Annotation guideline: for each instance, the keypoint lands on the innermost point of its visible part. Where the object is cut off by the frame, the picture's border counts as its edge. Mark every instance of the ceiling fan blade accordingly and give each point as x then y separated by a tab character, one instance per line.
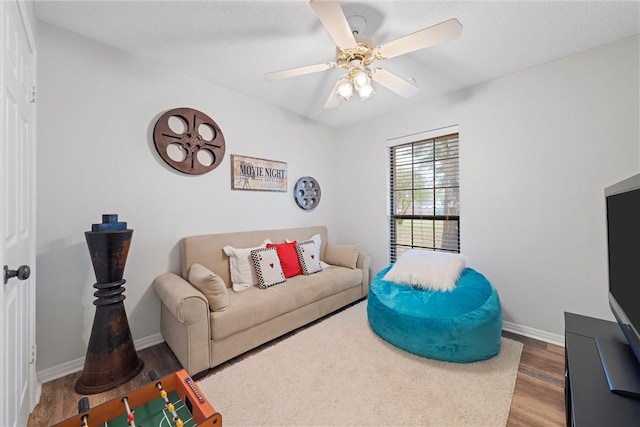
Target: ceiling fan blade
334	100
394	83
299	71
439	33
332	17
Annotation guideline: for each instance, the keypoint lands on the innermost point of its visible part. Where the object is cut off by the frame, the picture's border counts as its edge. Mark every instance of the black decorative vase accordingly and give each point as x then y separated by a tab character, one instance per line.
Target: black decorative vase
111	355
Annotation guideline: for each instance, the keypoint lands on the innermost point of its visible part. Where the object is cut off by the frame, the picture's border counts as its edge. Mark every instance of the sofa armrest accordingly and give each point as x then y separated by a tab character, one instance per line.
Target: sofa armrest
183	300
364	264
184	321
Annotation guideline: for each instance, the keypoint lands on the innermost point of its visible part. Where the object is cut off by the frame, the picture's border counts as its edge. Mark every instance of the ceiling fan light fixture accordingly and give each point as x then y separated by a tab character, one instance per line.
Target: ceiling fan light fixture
365	91
356	53
361	79
345	90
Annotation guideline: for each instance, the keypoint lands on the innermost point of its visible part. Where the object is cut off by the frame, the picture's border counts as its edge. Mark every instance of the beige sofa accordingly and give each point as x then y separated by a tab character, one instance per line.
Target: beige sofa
202	339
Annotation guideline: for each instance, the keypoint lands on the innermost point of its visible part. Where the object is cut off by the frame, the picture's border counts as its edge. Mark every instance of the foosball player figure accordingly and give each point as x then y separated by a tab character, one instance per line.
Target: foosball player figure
163	394
130	416
83	406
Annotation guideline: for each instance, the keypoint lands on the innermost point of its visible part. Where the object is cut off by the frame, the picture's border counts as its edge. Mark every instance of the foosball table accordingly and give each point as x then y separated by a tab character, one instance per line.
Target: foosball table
172	401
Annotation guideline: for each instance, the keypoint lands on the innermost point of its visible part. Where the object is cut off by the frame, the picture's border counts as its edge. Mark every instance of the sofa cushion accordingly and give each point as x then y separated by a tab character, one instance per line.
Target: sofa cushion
288	258
268	267
309	257
317	239
243	273
342	255
207	249
211	285
255	305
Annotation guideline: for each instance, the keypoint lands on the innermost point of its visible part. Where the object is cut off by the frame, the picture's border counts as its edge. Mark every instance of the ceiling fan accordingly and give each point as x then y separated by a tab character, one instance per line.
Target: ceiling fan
356	53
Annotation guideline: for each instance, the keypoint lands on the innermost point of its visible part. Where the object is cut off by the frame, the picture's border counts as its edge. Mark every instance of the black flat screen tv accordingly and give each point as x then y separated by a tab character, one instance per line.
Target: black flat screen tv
621	361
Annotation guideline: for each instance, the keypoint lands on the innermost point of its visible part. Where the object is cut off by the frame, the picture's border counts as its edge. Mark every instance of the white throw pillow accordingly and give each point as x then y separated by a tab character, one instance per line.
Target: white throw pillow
309	256
427	269
317	239
268	267
243	273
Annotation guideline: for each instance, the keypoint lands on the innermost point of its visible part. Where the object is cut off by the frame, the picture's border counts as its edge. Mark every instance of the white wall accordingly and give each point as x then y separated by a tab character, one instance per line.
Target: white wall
96	108
537	150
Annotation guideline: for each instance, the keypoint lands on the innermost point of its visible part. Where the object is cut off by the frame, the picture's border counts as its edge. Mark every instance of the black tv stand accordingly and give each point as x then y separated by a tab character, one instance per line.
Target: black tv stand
588	400
621	367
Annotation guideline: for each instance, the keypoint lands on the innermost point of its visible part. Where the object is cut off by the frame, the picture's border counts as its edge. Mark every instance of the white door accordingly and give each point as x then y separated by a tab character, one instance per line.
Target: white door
19	385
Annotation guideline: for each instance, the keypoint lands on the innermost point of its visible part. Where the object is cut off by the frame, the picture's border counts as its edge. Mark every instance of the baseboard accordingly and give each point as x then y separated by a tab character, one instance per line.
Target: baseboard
149	341
534	333
59	371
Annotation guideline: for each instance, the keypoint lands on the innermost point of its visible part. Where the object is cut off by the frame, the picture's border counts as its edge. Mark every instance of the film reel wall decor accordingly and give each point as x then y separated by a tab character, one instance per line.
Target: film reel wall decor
189	141
307	193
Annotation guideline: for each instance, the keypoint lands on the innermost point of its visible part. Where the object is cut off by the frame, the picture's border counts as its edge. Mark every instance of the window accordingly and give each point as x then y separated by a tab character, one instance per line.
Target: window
425	197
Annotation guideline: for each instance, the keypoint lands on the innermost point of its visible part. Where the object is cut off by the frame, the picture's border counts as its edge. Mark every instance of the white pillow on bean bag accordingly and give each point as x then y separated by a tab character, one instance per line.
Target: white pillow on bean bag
427	269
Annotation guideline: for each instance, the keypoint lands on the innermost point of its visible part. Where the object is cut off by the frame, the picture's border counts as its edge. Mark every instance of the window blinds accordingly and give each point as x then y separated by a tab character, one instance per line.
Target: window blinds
425	196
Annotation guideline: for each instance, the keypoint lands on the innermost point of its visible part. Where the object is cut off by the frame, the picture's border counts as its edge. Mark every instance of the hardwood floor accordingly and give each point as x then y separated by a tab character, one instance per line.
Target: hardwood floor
538	398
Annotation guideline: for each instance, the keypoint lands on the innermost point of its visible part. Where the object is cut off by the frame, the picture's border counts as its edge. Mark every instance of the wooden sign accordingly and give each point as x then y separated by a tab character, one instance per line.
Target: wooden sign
250	173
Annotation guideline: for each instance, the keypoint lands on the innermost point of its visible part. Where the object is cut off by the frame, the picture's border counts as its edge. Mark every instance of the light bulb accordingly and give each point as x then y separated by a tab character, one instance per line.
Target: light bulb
365	91
345	90
360	79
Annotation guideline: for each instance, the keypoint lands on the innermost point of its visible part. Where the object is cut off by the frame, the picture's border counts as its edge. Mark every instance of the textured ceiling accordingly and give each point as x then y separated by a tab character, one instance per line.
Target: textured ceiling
233	43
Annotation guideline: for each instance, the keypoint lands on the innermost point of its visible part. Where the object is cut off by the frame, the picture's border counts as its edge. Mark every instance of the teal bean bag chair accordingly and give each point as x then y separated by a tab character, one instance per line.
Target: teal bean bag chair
462	325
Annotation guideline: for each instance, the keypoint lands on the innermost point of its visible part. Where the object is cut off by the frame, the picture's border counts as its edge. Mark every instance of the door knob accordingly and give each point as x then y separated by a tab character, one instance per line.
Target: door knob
22	273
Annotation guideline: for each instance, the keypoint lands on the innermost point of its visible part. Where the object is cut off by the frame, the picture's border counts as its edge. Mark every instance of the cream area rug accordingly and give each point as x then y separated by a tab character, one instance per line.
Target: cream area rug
339	373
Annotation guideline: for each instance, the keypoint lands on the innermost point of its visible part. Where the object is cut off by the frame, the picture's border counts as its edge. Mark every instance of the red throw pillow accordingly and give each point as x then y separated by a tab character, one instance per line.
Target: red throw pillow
288	258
